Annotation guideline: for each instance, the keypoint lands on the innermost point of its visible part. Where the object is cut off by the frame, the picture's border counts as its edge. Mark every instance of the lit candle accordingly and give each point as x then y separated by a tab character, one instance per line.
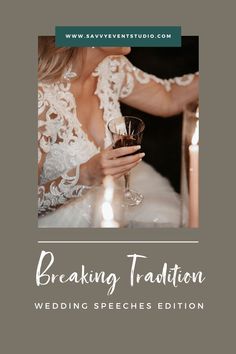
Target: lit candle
107	204
194	180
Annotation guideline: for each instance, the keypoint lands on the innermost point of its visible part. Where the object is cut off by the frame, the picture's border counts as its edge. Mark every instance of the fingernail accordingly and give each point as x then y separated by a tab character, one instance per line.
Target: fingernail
137	147
142	154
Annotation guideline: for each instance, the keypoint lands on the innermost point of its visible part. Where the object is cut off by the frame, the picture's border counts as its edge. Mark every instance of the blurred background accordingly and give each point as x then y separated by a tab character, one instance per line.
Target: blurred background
162	136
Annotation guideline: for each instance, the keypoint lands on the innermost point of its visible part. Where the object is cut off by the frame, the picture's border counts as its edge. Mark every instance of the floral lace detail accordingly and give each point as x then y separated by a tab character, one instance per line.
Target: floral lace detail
69	74
63	145
110	74
181	81
59	194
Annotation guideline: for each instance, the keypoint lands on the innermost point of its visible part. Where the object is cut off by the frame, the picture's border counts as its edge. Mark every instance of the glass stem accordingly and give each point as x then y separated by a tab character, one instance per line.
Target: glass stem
127	181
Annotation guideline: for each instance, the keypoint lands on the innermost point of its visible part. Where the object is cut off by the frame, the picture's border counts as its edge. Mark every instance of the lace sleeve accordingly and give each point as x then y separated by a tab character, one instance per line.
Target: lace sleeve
153	95
132	74
53	192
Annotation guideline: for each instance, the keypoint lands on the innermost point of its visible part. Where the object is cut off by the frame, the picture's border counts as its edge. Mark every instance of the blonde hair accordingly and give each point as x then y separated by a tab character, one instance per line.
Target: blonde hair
52	61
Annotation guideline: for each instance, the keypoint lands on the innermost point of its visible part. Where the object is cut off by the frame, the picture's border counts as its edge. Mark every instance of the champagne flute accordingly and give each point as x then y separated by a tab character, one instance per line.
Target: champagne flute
127	131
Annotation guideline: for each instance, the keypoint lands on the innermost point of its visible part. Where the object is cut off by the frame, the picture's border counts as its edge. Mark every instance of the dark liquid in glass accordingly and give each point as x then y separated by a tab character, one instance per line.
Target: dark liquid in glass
127	140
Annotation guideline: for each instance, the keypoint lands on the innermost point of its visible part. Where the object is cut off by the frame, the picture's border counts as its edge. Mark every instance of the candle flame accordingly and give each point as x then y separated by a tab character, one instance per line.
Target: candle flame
109	188
195	137
197	112
107	207
107	211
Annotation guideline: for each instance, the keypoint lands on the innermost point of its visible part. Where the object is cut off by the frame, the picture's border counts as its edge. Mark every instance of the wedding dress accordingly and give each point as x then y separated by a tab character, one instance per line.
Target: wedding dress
63	145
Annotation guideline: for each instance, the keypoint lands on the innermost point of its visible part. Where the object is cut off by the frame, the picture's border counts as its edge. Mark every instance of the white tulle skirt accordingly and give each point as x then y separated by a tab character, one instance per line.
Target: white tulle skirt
160	207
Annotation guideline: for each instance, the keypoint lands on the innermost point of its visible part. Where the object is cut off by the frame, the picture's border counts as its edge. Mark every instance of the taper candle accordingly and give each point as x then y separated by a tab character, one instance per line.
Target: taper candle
194	180
107	211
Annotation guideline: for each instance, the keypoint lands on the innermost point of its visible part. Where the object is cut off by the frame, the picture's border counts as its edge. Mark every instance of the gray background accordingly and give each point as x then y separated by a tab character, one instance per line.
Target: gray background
28	331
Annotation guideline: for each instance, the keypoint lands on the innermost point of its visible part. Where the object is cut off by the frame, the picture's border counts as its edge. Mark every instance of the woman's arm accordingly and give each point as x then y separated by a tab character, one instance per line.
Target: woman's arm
110	162
156	96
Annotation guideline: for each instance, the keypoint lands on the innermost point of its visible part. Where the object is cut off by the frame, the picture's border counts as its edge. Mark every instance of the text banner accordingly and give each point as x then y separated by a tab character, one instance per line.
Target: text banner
108	36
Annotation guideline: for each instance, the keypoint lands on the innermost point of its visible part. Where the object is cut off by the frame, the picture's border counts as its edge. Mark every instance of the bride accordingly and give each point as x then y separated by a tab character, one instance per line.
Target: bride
78	94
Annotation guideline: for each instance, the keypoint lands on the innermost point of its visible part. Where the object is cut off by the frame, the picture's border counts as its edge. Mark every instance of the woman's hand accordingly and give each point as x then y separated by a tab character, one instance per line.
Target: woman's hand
114	162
